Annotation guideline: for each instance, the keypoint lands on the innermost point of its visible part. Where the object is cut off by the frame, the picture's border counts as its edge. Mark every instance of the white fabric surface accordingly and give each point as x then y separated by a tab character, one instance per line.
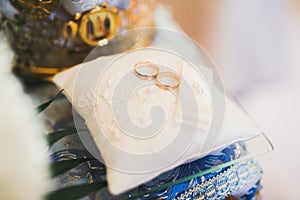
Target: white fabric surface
237	125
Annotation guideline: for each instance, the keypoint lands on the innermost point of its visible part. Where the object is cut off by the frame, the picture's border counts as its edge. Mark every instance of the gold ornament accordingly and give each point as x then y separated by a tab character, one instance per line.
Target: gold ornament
47	39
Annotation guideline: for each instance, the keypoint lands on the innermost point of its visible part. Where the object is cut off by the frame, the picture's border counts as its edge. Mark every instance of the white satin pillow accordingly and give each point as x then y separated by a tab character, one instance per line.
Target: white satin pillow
98	90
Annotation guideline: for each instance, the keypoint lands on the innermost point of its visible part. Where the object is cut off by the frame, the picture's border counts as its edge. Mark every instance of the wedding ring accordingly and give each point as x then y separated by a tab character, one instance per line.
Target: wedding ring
146	70
150	71
171	81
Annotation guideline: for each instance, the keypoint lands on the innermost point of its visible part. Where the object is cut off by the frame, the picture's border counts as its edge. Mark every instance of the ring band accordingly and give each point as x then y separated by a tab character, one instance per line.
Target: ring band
169	75
146	76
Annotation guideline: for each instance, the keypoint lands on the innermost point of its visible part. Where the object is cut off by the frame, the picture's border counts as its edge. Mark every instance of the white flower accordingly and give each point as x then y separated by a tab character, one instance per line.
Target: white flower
23	153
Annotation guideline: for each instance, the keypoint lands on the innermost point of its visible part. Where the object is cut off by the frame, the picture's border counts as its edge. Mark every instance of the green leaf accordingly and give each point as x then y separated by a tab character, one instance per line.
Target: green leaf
43	106
75	192
55	136
61	167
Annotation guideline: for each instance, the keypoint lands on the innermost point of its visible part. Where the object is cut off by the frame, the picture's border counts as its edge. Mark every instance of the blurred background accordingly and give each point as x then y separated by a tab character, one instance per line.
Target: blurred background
256	46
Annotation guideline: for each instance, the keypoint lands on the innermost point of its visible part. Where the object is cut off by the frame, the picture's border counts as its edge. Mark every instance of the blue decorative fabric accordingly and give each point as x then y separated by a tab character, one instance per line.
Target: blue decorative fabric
228	154
215	185
221	185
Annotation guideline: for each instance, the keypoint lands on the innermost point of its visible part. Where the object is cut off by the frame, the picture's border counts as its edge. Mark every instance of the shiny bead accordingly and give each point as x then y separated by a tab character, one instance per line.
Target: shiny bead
210	193
199	193
233	180
253	168
221	185
243	173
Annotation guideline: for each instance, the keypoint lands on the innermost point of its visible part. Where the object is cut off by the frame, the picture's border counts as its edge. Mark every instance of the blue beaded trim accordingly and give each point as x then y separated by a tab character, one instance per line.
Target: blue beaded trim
95	171
233	179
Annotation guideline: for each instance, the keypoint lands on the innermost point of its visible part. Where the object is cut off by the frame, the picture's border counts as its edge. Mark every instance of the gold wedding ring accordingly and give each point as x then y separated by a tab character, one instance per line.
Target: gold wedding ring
150	71
144	65
171	84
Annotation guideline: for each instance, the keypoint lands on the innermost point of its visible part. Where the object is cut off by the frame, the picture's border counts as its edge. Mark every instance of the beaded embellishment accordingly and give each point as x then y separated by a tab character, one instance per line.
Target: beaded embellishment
235	178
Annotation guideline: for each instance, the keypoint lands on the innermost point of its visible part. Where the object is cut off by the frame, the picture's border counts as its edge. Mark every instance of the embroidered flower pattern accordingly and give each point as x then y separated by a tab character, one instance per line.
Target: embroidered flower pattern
90	104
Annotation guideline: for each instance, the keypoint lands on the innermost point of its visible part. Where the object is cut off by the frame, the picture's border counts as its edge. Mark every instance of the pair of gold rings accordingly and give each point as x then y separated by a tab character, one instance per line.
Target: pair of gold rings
150	71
